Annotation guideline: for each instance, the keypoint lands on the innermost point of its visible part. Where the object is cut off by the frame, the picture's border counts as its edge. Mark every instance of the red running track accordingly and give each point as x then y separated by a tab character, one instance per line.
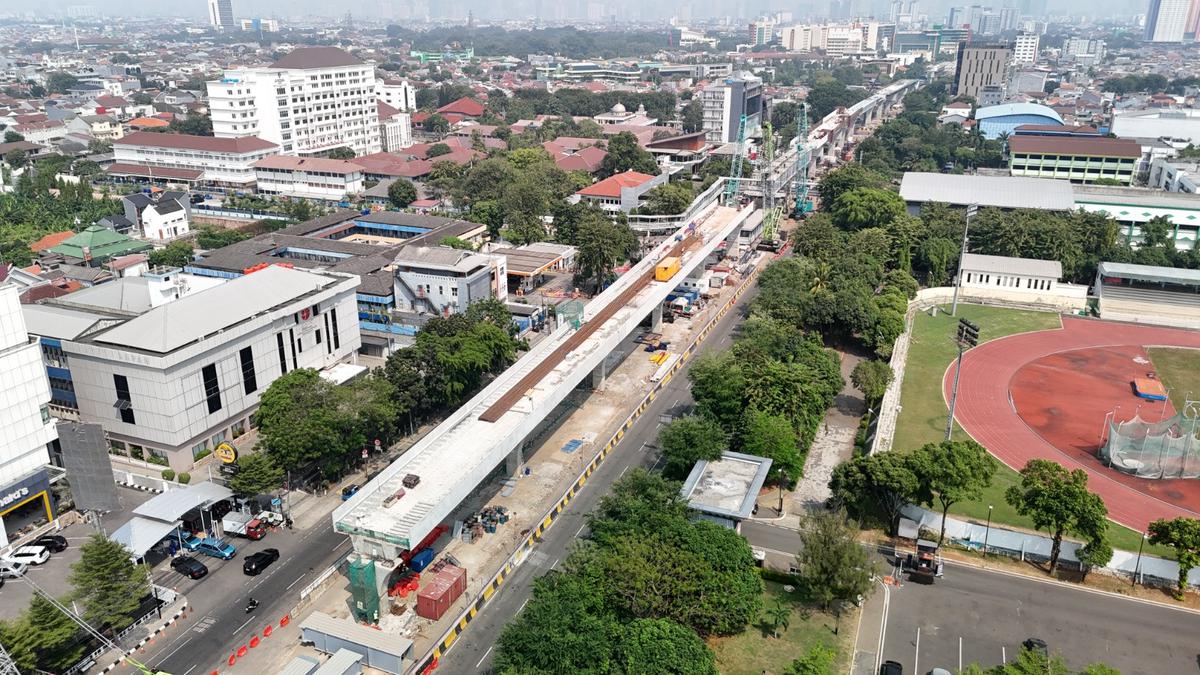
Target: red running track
985	410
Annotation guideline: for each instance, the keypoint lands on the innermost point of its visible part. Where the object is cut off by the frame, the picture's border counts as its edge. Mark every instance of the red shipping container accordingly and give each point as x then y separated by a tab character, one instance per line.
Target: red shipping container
434	599
457	576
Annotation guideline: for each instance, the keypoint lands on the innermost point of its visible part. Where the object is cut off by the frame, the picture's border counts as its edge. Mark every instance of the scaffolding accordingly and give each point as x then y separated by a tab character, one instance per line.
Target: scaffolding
800	183
734	184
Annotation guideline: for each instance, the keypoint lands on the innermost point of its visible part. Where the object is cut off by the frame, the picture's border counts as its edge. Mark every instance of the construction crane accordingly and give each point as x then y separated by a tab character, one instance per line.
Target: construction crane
772	211
90	631
733	183
800	183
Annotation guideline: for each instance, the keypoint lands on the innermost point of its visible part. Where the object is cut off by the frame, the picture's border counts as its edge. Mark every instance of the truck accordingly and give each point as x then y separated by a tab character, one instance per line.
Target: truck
666	268
243	525
925	563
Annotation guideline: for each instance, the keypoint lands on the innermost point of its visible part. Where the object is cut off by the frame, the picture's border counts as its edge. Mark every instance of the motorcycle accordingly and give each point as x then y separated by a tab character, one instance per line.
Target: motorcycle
251	605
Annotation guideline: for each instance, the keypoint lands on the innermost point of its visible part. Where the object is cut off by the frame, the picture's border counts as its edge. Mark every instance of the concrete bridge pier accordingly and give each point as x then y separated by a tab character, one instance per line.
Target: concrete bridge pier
599	374
656	319
515	460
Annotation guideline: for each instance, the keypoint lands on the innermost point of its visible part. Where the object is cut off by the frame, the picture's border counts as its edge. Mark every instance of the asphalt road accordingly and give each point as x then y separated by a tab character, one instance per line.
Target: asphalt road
217	623
472	652
981	616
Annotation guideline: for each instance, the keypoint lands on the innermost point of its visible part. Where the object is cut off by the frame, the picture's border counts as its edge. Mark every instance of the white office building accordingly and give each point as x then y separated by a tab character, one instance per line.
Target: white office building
220	161
175	376
220	14
395	128
397	93
26	427
311	101
1025	49
724	103
308	177
441	280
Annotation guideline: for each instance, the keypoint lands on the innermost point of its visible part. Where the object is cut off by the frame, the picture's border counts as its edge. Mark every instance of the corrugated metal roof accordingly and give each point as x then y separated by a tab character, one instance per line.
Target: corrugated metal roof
1169	275
171	505
339	663
998	264
352	632
1005	192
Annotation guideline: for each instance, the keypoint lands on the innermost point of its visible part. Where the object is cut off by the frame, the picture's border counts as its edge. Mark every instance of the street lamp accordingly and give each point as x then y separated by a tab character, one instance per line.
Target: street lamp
783	478
987	531
1138	567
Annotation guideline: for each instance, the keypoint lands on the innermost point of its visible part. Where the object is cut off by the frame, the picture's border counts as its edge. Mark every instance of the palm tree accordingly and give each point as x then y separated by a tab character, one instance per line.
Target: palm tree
819	281
778	615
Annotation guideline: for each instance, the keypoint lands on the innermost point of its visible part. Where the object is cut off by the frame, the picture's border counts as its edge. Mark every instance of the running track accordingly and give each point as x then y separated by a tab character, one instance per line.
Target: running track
985	412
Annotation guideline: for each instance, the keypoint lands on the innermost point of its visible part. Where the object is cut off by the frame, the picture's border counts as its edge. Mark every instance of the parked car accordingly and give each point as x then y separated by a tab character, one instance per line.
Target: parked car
189	567
56	543
891	668
30	555
349	491
212	547
11	569
260	561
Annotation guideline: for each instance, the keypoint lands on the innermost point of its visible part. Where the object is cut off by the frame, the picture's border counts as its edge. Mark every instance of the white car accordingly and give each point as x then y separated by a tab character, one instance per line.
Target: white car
11	570
29	555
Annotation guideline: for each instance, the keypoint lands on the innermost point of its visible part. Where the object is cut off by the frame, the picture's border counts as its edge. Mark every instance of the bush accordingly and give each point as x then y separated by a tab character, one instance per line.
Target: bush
168	474
155	459
185	478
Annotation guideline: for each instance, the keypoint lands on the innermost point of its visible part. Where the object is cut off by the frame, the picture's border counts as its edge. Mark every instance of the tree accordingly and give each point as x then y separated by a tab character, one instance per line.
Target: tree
107	583
1183	535
662	646
401	193
693	116
455	242
624	154
1096	553
297	419
257	474
56	634
436	124
778	616
212	237
766	435
690	439
878	485
1059	502
11	136
951	472
602	245
871	377
566	627
668	199
831	563
60	82
175	254
818	660
867	207
437	150
342	152
194	124
16	158
845	179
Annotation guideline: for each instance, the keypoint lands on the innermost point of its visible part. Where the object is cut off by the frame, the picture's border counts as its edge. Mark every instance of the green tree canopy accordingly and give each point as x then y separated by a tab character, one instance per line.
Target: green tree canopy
342	153
950	472
107	583
437	150
602	244
257	474
832	564
690	439
668	199
1183	535
624	154
1058	501
401	193
175	254
766	435
871	377
876	486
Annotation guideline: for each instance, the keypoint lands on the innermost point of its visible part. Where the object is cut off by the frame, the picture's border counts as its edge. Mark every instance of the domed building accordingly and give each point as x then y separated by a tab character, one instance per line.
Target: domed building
1003	119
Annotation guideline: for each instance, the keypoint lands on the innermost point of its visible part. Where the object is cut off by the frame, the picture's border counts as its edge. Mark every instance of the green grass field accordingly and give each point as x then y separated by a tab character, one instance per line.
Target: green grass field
1179	370
756	651
923	415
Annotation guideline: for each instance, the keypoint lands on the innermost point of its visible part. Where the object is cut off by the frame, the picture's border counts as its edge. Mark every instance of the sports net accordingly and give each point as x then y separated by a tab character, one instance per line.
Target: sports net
1166	449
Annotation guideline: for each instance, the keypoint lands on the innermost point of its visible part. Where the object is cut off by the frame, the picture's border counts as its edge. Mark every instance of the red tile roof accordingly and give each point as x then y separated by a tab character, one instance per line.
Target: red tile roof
245	144
467	107
50	241
587	159
1075	145
321	164
385	111
148	122
611	187
124	169
111	101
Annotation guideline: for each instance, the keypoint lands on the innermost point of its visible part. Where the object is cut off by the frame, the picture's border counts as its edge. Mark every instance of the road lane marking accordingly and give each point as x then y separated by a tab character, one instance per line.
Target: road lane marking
917	654
172	652
522	605
481	660
580	529
623	471
239	628
190	669
298	580
555	563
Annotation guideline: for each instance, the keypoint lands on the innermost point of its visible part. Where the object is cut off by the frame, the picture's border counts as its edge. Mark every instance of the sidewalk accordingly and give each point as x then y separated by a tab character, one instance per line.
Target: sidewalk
833	444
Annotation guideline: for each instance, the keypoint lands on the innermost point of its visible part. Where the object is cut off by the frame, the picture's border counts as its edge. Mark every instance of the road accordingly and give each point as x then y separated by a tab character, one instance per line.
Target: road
473	651
217	622
982	616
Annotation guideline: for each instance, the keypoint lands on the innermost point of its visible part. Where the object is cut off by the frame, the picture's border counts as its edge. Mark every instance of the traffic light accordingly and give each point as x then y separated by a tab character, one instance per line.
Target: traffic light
968	333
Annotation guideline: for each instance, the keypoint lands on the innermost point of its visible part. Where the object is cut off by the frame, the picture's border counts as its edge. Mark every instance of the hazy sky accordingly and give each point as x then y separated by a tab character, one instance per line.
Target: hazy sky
634	9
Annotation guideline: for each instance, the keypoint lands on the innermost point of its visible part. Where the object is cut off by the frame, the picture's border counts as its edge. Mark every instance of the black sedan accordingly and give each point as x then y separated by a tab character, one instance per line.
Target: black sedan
55	543
255	564
189	567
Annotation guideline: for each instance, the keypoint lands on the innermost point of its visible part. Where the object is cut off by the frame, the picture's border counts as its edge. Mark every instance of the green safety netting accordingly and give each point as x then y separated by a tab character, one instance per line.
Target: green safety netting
1166	449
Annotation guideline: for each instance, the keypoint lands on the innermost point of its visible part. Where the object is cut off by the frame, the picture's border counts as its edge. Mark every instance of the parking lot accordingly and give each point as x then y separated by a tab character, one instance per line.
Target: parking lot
973	616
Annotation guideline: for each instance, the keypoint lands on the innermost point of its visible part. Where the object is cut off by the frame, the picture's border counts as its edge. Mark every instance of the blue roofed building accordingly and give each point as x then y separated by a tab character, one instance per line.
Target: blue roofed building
994	120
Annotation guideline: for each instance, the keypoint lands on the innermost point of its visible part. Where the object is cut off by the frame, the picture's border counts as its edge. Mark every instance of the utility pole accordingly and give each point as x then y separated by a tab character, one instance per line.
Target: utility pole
971	211
967	337
7	667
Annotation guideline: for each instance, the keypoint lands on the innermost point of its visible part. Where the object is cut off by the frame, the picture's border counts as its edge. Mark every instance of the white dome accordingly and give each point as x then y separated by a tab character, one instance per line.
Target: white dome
618	108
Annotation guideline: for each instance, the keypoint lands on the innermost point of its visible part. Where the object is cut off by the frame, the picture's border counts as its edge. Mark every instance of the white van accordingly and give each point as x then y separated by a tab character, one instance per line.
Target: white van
29	555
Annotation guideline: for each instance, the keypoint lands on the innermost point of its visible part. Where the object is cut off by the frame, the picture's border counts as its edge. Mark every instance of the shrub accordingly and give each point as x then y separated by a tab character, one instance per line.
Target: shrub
168	474
185	478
